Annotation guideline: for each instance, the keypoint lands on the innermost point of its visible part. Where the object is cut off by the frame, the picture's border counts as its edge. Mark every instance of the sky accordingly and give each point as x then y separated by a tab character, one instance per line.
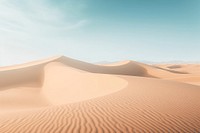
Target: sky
99	30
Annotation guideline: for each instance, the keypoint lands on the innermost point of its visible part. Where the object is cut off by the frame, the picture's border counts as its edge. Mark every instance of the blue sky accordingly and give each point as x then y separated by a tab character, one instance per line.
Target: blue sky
100	30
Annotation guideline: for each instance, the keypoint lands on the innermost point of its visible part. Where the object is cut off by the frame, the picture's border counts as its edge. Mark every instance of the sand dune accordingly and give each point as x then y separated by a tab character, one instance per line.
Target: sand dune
189	68
191	76
65	84
63	95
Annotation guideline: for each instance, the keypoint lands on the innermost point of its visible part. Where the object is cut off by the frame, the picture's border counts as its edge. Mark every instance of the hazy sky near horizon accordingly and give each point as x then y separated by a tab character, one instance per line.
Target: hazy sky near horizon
100	30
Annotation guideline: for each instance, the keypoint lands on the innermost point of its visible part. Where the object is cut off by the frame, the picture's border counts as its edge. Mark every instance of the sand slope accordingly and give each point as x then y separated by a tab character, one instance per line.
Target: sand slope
61	95
192	71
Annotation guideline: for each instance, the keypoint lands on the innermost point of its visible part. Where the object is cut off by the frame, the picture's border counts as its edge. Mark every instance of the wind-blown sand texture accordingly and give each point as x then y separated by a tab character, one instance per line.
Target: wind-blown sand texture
63	95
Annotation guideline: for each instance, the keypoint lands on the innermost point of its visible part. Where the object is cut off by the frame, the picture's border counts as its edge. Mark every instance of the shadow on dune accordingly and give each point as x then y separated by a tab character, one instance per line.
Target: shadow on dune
174	66
172	71
29	77
129	68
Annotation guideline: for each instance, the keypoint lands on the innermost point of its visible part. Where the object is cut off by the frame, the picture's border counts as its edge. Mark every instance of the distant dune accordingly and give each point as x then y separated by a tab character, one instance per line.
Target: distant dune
63	95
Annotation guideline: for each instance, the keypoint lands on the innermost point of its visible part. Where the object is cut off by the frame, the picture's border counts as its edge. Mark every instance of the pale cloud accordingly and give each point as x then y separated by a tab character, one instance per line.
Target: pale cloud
32	25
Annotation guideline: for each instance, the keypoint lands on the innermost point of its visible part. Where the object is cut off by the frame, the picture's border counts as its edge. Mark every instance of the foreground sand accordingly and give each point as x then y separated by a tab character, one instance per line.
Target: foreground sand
62	95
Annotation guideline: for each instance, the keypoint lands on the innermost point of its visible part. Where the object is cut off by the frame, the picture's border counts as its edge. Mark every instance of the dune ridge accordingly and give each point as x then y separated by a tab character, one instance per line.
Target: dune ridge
60	95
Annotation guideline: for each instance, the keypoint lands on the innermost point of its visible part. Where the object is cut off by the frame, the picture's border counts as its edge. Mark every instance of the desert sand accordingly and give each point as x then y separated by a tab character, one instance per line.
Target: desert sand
63	95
